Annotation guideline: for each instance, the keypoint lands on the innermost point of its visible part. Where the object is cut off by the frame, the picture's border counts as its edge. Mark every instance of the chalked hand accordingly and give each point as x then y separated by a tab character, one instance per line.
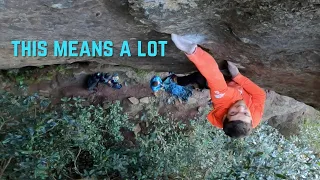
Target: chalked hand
233	69
184	44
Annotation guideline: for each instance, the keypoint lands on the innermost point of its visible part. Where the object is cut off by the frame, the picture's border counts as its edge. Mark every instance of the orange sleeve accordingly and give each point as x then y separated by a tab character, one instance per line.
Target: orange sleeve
208	67
258	97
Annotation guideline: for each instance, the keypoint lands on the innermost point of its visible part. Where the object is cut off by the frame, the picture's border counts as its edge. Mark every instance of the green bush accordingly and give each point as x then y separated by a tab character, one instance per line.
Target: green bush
199	151
40	141
310	129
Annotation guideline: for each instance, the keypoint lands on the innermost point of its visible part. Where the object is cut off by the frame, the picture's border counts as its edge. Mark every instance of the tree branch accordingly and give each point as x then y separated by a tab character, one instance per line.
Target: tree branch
5	167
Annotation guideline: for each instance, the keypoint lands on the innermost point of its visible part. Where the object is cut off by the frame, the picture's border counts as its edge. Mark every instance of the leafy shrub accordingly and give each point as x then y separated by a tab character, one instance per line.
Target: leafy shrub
199	151
39	141
47	143
309	134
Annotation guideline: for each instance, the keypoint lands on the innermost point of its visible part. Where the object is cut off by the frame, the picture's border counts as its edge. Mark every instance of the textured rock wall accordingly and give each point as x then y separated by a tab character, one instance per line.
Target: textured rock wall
276	41
286	114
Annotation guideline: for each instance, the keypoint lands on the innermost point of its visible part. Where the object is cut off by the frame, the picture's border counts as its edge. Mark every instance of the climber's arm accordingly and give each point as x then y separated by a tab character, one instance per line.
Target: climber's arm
208	67
258	97
258	94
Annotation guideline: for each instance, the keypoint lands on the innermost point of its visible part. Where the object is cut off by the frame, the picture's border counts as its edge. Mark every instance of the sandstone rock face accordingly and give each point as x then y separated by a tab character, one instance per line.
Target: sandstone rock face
277	42
287	114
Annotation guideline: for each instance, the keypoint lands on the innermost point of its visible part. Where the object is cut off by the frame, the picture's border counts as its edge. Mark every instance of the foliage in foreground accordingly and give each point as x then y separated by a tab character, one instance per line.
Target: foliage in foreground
69	140
310	134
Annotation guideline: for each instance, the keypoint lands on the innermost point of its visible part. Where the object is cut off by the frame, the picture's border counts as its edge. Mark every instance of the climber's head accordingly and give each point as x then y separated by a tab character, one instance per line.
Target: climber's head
238	120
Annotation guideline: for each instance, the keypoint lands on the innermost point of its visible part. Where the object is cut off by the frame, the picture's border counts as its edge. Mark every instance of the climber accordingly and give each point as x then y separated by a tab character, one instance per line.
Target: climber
238	104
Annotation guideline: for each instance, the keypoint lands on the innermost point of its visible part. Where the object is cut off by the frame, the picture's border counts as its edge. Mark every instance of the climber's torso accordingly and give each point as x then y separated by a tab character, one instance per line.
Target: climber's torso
220	106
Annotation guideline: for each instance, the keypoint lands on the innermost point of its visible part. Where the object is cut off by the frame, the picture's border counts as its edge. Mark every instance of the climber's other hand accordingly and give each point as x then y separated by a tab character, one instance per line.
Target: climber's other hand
234	71
183	44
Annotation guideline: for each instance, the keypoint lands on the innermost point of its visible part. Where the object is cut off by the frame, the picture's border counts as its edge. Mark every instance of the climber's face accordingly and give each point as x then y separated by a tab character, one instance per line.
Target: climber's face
239	111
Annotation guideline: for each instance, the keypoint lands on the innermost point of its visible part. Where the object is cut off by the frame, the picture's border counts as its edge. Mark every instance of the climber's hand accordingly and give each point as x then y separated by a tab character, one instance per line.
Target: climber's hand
183	44
233	69
269	93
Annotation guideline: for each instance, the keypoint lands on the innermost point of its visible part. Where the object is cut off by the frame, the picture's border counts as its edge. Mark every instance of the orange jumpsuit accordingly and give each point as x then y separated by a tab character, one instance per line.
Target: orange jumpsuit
224	95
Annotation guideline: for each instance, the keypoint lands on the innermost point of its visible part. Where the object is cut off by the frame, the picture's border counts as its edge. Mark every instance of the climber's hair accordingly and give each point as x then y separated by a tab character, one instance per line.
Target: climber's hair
155	83
237	128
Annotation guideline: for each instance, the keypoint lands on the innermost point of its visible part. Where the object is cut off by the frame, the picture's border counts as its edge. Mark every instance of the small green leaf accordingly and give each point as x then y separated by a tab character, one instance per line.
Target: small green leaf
91	172
258	154
281	176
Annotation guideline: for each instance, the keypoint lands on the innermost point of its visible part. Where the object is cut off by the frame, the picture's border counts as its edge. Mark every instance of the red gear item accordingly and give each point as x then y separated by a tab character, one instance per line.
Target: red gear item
224	95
